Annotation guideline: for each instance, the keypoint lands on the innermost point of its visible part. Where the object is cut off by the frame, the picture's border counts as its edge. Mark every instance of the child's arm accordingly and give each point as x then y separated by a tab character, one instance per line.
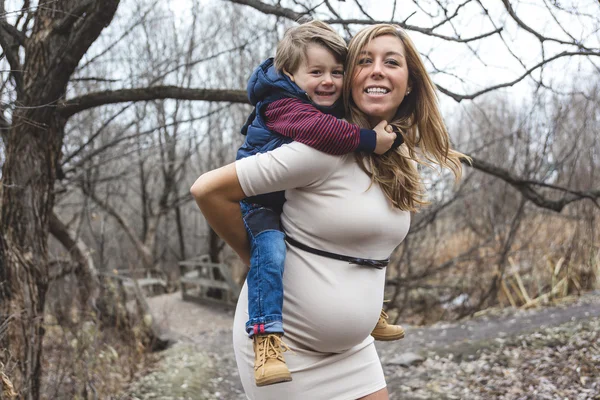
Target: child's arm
304	123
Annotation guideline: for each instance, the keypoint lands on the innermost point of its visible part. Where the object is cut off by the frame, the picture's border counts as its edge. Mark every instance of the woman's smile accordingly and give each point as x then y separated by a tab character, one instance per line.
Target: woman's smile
377	91
381	78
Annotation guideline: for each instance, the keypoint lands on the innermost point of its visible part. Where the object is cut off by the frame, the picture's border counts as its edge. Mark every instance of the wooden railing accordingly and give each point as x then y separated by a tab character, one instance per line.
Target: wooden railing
203	281
149	285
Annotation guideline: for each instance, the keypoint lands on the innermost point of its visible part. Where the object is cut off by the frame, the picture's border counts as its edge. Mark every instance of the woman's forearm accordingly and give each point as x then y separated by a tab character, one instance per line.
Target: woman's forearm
218	193
226	220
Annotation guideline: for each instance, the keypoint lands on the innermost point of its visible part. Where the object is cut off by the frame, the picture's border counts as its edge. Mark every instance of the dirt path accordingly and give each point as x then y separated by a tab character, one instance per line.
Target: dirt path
463	337
466	360
185	320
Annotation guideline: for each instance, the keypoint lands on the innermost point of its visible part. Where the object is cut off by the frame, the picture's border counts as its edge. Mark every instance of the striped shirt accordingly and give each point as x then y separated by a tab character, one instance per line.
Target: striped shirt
303	123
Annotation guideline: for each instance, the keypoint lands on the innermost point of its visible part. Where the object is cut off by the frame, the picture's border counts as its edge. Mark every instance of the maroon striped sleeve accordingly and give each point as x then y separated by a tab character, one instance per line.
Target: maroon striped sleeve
305	124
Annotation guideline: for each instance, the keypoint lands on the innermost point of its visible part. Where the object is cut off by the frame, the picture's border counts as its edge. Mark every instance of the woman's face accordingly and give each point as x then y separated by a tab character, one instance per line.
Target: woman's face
381	78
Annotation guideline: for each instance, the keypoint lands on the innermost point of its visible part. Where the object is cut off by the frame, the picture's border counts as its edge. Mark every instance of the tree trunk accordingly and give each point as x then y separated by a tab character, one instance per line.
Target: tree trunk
32	152
62	33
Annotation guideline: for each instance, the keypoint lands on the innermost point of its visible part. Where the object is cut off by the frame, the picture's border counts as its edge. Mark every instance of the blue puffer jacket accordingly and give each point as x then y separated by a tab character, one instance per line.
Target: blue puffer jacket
265	86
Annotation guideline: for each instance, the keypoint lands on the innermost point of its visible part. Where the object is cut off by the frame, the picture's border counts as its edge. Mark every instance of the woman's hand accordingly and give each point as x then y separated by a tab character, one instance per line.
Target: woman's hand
218	194
385	138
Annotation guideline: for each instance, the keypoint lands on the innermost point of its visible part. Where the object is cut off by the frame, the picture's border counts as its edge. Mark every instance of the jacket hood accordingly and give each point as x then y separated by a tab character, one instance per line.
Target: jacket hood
266	84
265	81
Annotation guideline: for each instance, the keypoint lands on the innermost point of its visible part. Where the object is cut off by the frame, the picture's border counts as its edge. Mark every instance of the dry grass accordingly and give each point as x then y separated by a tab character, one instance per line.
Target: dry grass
7	391
554	258
90	355
445	272
84	361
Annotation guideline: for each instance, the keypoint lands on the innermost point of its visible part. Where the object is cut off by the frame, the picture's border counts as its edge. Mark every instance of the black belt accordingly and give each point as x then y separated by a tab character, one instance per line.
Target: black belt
380	264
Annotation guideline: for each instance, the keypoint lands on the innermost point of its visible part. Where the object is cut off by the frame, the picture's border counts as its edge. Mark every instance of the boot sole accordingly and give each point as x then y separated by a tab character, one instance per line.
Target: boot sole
272	380
388	338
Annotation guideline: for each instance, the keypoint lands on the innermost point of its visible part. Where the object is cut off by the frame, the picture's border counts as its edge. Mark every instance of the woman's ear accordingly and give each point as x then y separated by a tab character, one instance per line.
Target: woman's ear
289	75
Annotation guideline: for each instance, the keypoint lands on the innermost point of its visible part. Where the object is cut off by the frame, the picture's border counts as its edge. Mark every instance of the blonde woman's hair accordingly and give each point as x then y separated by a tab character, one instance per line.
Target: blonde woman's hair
291	50
418	119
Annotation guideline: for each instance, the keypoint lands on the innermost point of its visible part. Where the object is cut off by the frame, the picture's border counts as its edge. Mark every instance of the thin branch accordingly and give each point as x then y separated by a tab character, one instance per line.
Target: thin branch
535	33
129	231
332	10
431	270
562	28
293	15
506	46
269	9
508	241
94	79
526	187
406	19
459	97
449	18
91	100
95	135
120	138
432	213
457	34
120	38
414	28
362	10
191	63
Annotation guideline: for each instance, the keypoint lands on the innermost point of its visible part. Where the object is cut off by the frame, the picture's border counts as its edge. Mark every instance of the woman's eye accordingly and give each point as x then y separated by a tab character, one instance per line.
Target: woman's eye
392	62
363	61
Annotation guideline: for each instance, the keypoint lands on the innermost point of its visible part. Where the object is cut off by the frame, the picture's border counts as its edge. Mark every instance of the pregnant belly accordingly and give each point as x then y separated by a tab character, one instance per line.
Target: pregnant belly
330	306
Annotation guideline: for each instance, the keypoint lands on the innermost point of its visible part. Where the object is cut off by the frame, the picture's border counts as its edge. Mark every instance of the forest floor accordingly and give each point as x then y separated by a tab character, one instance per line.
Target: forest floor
544	353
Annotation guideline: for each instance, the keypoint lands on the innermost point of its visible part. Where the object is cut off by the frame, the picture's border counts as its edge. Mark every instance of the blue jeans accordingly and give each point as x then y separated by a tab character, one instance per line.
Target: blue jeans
265	278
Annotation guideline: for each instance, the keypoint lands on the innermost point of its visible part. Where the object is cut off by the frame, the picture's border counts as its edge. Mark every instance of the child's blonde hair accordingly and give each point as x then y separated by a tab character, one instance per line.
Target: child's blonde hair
291	50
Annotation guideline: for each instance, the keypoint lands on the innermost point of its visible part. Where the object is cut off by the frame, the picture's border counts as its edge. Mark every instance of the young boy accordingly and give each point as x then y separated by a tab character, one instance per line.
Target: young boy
296	97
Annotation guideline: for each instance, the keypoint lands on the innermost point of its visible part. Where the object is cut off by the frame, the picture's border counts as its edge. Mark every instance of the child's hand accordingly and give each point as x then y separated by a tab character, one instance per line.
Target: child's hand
385	138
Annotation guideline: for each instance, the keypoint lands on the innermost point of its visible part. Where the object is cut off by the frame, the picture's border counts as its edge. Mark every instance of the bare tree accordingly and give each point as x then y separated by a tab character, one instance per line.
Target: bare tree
49	45
54	40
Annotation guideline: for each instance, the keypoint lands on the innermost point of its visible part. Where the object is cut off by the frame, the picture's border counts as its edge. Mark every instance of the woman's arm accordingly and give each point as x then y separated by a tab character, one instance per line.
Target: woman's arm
218	194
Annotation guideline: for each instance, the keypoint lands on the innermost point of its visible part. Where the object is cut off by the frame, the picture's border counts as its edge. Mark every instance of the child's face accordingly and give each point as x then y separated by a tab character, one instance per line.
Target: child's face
321	76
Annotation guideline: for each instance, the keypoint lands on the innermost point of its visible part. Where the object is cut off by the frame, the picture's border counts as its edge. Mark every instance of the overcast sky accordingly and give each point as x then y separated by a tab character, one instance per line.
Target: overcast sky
487	61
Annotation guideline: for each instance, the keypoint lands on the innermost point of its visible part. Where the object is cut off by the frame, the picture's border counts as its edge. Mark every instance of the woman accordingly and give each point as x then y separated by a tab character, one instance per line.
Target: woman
350	205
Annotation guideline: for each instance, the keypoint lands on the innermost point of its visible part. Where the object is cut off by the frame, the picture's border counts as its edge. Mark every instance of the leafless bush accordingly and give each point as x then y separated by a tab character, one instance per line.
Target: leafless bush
93	355
485	245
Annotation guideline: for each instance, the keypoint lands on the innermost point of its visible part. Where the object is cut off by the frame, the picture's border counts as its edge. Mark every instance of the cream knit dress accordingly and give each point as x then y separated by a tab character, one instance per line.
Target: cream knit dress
330	307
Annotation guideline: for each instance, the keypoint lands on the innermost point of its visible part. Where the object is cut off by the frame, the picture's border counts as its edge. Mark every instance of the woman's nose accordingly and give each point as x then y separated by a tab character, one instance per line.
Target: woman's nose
377	69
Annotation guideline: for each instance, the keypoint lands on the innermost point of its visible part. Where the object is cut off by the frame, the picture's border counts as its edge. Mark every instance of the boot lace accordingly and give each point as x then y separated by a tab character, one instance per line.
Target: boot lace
383	316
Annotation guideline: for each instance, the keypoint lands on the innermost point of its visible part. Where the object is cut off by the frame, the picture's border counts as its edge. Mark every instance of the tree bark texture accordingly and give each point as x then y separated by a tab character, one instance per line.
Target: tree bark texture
63	31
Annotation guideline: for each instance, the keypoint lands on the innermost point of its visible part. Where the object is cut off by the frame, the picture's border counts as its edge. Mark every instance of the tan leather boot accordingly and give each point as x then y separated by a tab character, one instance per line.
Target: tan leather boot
386	332
269	365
